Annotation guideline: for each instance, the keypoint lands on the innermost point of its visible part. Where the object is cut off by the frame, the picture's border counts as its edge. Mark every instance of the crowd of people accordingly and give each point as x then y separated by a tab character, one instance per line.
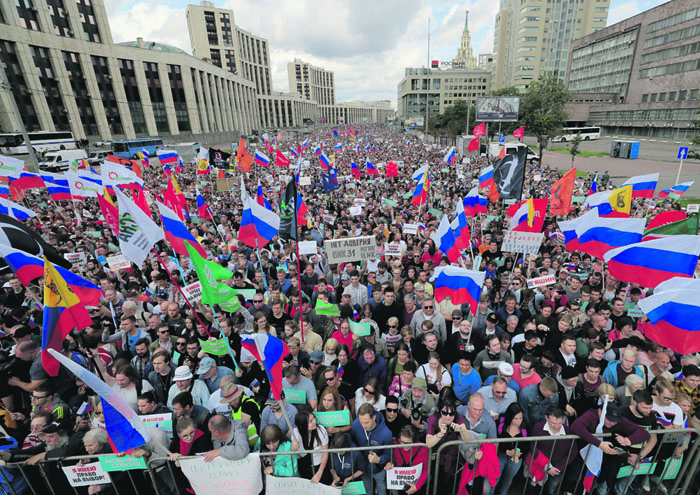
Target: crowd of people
530	362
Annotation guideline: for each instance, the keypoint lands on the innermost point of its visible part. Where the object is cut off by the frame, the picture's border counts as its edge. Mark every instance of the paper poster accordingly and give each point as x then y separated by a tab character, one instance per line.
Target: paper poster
76	258
307	247
222	477
295	396
161	421
392	249
112	463
85	475
193	292
333	418
356	211
296	486
540	281
350	249
118	262
305	181
396	478
522	242
410	228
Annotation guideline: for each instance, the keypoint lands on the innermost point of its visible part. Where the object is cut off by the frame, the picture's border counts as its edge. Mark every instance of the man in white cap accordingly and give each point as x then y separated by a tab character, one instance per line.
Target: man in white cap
185	382
505	370
211	374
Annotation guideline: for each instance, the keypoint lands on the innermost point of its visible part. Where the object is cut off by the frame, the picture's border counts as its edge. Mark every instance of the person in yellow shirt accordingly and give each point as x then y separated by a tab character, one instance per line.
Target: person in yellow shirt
312	341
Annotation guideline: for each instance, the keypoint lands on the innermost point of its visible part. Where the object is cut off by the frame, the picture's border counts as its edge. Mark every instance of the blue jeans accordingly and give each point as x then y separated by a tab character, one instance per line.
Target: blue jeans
379	480
508	471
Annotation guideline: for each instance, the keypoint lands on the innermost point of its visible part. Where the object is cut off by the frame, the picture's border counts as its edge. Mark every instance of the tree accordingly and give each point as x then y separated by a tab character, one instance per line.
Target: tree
694	153
573	147
542	109
453	121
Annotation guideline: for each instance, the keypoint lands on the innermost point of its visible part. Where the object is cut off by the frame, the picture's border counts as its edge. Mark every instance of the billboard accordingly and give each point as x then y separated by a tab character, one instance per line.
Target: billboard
415	122
497	108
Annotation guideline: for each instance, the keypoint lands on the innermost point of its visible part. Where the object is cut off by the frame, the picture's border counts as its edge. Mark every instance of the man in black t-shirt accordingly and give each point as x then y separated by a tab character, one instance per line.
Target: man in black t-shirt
640	413
393	420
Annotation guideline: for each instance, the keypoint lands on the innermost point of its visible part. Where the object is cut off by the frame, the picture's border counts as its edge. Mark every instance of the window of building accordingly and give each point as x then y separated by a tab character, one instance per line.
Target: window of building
645	98
653	97
693	94
682	94
672	96
662	96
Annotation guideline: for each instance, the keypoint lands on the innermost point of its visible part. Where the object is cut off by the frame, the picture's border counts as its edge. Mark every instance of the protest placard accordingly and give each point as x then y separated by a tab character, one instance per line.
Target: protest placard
390	202
328	218
407	195
193	292
509	202
222	477
350	249
296	486
354	488
540	281
392	249
360	329
635	312
694	208
578	199
118	262
355	211
295	396
85	475
307	247
435	212
333	418
305	181
76	258
216	347
522	242
112	463
161	421
359	202
396	478
248	294
410	228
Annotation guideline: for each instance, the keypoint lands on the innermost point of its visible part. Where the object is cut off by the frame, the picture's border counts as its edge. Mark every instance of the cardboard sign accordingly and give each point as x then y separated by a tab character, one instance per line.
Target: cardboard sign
86	475
360	329
392	249
222	477
215	347
390	202
409	194
435	211
356	211
510	201
396	478
328	218
161	421
305	181
694	208
76	258
350	249
578	199
118	262
540	281
354	488
248	294
359	202
333	418
522	242
193	292
295	396
308	247
635	313
225	185
295	486
113	463
410	228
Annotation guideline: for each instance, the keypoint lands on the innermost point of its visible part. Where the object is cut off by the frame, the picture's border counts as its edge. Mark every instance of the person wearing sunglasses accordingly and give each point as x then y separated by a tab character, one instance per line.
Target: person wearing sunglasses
446	425
394	420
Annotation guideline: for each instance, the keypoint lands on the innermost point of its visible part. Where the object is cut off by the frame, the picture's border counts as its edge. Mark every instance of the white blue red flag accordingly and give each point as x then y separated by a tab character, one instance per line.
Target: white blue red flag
462	285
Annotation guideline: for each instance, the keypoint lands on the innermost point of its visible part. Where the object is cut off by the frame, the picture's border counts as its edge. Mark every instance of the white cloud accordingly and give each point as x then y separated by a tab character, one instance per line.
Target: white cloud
622	11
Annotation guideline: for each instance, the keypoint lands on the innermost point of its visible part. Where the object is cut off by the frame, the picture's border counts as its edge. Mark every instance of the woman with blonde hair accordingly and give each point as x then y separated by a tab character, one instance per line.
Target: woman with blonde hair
329	350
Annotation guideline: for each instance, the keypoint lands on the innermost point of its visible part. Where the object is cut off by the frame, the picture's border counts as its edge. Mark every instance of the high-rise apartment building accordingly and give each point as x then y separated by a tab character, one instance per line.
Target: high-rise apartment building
465	56
532	37
313	83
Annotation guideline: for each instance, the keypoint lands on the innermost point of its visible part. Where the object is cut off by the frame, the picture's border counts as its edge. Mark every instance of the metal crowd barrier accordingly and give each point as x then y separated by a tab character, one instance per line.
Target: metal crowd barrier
162	477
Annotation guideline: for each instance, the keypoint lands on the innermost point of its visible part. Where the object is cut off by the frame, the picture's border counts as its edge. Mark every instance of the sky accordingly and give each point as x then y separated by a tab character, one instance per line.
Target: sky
367	43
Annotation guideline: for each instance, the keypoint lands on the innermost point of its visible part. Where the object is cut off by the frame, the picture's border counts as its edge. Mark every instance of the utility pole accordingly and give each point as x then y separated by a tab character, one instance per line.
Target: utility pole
427	89
33	165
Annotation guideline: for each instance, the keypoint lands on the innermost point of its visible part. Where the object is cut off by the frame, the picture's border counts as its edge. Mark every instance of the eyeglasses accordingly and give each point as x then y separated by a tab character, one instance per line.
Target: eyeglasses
392	410
39	397
428	307
447	413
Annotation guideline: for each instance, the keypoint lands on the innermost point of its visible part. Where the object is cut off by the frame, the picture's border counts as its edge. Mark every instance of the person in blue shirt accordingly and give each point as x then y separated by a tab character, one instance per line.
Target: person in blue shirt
465	379
370	430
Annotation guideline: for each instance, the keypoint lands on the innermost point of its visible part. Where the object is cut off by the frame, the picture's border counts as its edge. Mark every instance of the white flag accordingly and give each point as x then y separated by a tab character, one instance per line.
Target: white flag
84	184
114	174
137	231
10	167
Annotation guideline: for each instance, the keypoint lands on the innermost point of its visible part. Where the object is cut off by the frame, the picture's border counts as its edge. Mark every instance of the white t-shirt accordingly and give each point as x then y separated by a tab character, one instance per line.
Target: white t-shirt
131	396
323	435
665	415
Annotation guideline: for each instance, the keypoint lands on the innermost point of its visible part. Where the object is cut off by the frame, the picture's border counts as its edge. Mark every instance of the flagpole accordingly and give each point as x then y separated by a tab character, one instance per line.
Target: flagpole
181	292
261	267
228	346
301	302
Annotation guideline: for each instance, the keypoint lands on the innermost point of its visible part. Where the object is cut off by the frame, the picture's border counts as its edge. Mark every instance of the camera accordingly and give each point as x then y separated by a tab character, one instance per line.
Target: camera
449	429
415	414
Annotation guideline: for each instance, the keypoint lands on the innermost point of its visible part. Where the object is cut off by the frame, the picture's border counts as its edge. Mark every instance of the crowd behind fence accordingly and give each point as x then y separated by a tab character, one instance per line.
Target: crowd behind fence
679	476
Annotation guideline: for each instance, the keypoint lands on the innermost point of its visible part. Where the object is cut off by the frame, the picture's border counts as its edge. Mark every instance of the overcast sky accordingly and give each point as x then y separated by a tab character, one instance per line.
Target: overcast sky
367	43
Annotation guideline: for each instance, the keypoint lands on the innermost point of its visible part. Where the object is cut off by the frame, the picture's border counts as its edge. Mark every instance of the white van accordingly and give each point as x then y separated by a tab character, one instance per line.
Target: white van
59	161
511	148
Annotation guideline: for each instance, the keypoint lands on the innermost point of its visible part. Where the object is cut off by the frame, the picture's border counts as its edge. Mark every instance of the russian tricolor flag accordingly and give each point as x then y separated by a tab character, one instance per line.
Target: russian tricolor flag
371	169
643	186
294	152
18	212
678	189
167	157
598	235
355	170
651	262
270	351
445	240
420	192
261	159
325	161
486	177
318	150
258	225
262	201
338	147
202	207
594	186
176	232
450	156
462	285
568	229
674	311
475	204
461	227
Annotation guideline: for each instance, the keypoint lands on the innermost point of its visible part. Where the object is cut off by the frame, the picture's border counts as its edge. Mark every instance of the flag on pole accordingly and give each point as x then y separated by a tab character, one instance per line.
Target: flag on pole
461	285
594	186
450	156
684	226
562	194
480	130
327	309
486	177
461	226
420	192
445	240
325	162
209	274
643	186
261	159
202	208
288	211
678	189
355	170
176	232
262	201
137	231
598	235
281	160
519	133
270	351
371	169
14	210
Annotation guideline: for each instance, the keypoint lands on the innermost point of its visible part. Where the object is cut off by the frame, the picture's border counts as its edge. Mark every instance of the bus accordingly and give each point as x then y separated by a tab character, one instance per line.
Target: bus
130	149
569	133
13	144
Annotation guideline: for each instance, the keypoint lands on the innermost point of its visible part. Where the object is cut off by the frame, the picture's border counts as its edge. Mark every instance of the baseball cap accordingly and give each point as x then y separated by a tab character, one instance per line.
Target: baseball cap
419	382
182	373
345	277
613	412
505	368
317	356
205	365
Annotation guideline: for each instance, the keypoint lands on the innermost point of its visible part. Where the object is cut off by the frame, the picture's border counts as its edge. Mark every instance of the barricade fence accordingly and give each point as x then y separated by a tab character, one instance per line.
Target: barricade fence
456	467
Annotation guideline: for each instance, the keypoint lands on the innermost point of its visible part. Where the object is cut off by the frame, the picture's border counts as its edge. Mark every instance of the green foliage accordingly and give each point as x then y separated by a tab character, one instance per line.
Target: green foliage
453	121
573	147
542	109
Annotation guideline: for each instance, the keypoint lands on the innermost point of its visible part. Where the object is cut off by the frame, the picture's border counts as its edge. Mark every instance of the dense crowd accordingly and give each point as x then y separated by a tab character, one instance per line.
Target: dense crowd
547	361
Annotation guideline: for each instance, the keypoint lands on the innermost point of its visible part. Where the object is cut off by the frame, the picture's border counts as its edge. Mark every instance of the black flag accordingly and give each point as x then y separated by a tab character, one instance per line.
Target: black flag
288	211
218	158
509	174
17	235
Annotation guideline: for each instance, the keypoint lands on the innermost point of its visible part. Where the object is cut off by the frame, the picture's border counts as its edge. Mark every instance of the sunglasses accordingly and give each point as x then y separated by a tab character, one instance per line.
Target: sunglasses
315	362
447	413
392	410
368	391
180	344
428	307
330	379
393	326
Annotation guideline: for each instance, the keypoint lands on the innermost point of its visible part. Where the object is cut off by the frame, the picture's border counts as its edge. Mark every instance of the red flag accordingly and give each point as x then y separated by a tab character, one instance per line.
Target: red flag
519	133
473	145
221	174
480	130
562	193
134	165
269	148
172	200
502	154
110	212
392	169
281	160
493	193
140	200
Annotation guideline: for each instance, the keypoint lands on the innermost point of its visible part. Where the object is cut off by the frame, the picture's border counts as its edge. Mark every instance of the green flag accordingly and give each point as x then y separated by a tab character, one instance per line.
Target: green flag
209	274
217	347
688	226
324	308
360	329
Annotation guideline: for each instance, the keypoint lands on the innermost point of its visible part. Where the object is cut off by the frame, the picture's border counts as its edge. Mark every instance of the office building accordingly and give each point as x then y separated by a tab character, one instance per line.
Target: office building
313	83
647	69
66	73
532	37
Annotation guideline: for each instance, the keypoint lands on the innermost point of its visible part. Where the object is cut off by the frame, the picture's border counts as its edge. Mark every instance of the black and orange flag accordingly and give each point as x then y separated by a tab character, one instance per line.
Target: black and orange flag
562	194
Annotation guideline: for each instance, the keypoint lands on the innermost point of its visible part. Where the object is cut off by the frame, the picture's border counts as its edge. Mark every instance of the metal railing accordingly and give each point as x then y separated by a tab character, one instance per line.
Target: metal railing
162	476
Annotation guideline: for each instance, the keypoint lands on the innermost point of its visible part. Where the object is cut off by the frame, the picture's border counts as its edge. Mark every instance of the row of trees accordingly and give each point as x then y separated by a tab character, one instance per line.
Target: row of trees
541	112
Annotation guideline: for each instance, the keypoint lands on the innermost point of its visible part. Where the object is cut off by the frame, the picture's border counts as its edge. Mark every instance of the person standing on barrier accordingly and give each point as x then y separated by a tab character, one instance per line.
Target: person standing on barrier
369	430
548	462
445	425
